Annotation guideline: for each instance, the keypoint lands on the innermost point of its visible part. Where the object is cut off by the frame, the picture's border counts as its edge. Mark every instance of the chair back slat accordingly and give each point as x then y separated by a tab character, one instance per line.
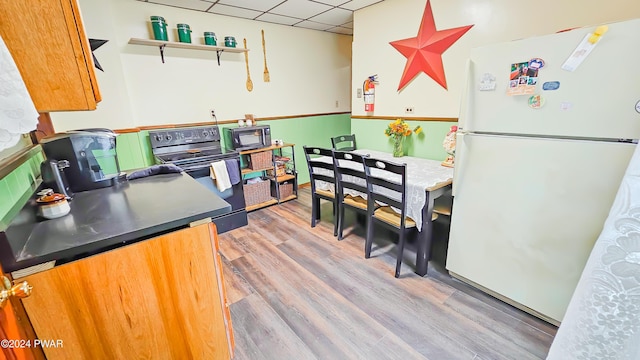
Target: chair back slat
320	158
346	174
344	142
380	188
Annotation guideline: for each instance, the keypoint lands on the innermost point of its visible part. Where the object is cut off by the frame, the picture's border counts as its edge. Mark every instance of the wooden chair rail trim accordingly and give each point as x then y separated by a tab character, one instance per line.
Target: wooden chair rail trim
220	122
416	118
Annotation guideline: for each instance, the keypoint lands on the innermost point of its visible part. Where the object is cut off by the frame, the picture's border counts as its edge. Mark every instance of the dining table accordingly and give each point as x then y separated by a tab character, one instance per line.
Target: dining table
426	180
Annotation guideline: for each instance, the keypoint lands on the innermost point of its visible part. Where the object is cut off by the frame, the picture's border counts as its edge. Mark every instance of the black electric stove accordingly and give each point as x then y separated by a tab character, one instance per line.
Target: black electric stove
194	149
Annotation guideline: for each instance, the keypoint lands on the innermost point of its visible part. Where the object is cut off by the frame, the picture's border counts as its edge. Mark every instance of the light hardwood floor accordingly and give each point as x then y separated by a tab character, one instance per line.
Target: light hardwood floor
297	292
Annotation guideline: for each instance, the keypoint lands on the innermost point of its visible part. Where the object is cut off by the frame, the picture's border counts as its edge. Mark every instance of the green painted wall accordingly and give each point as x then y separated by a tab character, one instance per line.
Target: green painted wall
134	149
18	182
428	144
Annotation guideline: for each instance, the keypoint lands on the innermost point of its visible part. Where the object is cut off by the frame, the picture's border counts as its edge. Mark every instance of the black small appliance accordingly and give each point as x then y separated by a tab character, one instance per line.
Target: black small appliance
90	155
248	137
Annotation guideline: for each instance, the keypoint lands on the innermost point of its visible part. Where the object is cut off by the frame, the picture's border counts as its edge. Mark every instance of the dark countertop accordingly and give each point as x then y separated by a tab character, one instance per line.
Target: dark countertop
101	219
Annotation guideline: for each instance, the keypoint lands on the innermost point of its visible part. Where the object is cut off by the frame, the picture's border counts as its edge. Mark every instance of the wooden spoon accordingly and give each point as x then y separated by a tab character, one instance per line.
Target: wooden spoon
266	76
246	61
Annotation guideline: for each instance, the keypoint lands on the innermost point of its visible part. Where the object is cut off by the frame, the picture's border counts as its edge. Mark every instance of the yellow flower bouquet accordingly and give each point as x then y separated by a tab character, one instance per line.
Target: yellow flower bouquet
398	130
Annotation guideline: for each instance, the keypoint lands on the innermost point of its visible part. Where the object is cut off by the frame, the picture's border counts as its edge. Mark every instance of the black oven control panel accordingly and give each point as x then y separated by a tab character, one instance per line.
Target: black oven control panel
184	136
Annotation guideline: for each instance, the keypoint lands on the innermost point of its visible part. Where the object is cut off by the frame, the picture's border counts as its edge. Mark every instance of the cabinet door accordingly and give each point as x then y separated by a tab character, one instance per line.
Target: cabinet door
156	299
15	327
48	44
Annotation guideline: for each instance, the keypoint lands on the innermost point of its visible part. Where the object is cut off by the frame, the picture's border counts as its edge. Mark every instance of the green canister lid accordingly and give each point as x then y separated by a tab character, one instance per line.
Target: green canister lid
184	26
158	18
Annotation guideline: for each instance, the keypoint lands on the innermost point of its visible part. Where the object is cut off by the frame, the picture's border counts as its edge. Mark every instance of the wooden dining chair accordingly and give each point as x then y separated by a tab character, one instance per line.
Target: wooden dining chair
350	177
386	183
321	168
344	142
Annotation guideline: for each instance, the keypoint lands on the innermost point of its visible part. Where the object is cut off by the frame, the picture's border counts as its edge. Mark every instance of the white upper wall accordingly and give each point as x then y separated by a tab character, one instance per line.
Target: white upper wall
310	70
495	21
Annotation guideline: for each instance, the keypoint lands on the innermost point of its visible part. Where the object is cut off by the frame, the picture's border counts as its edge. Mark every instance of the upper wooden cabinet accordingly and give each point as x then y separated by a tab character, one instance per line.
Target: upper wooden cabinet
47	41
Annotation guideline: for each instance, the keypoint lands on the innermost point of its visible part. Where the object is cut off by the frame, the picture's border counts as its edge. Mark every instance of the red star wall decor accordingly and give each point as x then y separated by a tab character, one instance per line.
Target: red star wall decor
424	52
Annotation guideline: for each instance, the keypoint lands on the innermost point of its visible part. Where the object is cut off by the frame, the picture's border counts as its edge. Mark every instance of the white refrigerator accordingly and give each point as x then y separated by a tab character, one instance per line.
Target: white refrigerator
535	177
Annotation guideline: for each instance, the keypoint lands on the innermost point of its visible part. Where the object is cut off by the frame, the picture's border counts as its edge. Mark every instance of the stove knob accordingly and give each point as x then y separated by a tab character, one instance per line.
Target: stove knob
159	137
169	137
205	133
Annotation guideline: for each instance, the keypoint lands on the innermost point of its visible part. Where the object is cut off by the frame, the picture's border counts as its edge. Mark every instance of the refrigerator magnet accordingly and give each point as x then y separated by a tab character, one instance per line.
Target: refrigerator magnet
638	106
551	85
565	106
536	63
536	101
487	83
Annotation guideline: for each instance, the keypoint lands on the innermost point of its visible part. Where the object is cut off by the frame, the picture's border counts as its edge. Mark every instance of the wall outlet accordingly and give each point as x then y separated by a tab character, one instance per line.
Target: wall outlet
408	110
359	93
212	113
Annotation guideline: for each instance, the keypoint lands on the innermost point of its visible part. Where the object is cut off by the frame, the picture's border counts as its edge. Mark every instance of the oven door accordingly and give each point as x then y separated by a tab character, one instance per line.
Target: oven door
234	195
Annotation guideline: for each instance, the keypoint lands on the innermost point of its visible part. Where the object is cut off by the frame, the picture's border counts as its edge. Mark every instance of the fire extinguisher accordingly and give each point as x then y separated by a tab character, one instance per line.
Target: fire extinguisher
369	89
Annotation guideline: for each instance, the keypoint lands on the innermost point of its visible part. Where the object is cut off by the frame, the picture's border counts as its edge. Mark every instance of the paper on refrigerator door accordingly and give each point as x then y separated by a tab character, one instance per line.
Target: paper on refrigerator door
579	54
18	115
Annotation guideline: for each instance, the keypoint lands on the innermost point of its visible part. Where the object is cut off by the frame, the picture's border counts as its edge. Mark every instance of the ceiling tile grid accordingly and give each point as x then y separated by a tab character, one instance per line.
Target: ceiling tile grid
323	15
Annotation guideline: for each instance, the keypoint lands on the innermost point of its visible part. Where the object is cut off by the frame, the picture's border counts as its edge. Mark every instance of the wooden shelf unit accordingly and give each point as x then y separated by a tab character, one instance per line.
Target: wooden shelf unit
276	181
162	44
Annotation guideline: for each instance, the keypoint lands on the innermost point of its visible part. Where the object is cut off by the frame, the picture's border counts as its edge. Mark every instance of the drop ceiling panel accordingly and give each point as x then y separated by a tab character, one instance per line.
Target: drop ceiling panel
234	11
332	2
185	4
260	5
301	9
323	15
358	4
278	19
314	25
334	16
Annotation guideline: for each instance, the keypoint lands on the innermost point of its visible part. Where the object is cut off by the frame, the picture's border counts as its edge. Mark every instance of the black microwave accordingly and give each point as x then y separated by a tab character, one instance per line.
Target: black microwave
248	137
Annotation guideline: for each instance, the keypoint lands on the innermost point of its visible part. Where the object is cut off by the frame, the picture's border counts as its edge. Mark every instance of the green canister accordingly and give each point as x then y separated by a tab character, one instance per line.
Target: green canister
184	33
159	28
229	41
210	38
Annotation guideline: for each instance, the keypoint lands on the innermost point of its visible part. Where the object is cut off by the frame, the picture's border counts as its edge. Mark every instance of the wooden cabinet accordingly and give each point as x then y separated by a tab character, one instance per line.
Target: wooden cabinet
161	298
279	170
48	43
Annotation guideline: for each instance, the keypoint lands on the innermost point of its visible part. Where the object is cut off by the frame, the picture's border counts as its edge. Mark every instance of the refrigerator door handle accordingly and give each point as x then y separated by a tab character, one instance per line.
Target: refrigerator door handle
461	138
465	103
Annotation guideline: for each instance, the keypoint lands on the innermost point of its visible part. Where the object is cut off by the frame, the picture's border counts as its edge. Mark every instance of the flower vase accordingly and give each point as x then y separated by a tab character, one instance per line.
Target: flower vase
398	150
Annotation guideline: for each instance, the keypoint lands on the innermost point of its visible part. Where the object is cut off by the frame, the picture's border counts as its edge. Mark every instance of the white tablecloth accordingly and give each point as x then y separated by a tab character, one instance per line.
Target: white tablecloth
422	174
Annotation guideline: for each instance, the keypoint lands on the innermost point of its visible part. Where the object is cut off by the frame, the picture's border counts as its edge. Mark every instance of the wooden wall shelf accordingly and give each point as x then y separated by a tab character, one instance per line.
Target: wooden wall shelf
161	44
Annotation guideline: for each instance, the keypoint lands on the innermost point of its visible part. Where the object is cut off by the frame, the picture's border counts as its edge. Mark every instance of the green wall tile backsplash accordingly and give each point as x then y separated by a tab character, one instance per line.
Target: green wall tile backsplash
18	182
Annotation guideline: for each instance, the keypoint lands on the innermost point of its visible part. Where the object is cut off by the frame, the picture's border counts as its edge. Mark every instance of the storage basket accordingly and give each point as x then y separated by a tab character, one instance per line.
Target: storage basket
286	190
280	170
260	160
257	193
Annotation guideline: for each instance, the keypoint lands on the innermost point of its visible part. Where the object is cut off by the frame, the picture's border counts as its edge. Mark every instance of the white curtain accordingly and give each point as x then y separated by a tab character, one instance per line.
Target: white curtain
603	318
17	113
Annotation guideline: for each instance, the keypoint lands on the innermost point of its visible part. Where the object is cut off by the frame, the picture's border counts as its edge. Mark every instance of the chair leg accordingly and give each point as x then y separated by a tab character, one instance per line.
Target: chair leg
369	241
400	252
315	210
341	210
318	210
335	218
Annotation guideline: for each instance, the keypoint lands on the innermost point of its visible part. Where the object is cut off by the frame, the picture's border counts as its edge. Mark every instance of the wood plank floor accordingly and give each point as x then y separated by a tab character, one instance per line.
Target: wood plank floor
297	292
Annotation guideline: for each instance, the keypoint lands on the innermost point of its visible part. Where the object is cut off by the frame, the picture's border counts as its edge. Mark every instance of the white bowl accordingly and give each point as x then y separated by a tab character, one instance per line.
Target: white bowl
54	210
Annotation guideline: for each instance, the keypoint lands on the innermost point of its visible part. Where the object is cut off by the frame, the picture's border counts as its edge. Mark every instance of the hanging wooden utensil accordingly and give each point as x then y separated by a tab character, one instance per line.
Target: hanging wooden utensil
266	77
246	61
